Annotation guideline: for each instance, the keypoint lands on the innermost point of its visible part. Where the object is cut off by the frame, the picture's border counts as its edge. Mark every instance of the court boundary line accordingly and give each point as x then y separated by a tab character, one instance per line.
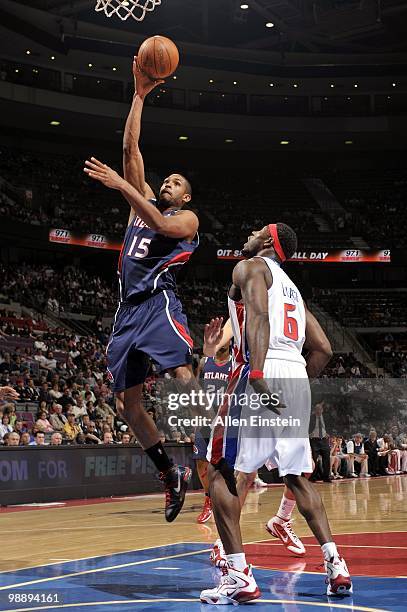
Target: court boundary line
101	569
122	552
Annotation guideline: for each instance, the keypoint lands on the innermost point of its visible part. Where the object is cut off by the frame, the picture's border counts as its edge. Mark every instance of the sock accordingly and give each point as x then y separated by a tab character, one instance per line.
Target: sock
329	550
159	457
237	561
286	508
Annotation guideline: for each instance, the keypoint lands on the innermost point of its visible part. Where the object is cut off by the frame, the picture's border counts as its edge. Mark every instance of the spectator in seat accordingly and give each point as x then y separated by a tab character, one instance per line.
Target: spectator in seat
87	394
108	438
390	456
31	393
5	426
91	435
56	439
80	438
19	426
20	388
10	410
43	424
319	441
57	419
84	422
356	452
371	449
39	439
13	439
50	363
401	442
66	399
335	460
79	409
55	393
44	394
126	438
103	409
71	428
25	439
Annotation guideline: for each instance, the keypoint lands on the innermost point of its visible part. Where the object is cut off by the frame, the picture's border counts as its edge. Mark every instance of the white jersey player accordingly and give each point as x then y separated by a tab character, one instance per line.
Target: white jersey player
269	382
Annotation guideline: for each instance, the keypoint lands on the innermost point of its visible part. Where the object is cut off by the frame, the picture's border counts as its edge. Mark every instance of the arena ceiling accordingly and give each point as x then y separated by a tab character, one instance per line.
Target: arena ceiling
299	26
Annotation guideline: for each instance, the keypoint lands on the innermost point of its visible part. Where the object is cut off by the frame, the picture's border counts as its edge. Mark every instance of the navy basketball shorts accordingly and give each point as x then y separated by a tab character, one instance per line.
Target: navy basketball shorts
200	447
156	328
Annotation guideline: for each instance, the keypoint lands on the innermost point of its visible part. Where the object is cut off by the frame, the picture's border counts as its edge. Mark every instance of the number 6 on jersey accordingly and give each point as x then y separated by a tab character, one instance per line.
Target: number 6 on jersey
290	323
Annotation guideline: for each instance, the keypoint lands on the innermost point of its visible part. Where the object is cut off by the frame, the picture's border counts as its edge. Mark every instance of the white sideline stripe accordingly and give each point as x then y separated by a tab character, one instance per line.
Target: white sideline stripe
120	552
102	569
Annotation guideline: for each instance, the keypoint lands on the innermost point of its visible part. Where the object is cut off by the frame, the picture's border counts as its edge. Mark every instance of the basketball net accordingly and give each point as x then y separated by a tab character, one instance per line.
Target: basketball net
127	8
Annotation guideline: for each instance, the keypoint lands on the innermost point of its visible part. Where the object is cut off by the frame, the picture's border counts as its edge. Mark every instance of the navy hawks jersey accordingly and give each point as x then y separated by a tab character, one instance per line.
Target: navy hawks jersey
149	261
215	377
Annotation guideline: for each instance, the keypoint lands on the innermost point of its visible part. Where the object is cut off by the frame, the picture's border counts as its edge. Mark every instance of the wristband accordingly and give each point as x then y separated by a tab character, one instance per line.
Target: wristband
255	374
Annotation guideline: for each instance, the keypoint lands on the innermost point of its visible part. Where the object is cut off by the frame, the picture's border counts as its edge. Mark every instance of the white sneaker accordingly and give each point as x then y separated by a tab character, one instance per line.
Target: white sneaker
258	482
352	475
367	475
283	530
338	577
218	555
235	587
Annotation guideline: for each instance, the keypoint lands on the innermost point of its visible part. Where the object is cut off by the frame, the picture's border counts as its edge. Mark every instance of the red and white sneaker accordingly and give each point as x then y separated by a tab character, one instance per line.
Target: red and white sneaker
235	587
283	530
218	555
206	511
338	577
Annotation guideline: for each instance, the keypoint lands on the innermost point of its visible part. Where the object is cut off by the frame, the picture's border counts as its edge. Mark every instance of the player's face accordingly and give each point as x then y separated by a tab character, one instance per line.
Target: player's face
173	191
255	242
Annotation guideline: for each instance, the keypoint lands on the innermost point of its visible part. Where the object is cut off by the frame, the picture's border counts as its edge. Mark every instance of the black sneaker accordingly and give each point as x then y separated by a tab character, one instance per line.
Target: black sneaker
176	482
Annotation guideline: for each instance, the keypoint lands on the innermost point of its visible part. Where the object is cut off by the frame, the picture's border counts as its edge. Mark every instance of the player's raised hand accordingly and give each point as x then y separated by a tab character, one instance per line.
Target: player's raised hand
8	393
143	84
101	172
213	332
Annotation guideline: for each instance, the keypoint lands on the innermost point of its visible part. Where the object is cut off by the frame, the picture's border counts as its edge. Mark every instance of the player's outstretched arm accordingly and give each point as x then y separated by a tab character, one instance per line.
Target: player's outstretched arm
216	336
318	345
133	164
251	278
182	225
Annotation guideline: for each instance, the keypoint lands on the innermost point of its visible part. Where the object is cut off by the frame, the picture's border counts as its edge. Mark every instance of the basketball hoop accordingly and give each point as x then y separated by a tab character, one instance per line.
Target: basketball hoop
127	8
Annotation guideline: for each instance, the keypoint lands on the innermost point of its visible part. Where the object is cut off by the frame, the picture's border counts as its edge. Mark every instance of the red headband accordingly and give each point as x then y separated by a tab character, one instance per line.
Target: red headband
276	242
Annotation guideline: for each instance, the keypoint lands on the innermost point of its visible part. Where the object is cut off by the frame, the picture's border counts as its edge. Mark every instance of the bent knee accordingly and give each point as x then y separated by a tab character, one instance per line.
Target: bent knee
183	374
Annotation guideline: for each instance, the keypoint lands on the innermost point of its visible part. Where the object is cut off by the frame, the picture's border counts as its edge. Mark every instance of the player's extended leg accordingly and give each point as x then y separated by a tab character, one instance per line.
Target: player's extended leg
202	469
312	509
175	478
237	583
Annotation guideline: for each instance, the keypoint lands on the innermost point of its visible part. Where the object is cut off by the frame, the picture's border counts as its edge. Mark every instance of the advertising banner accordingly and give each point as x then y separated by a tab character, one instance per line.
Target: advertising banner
99	241
52	473
327	256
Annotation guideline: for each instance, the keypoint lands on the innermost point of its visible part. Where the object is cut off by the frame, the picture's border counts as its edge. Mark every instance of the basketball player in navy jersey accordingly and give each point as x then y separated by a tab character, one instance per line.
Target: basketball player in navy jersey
214	373
149	322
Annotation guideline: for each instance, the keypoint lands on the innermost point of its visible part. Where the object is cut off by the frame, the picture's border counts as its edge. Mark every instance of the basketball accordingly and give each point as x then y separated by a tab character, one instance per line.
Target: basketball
158	57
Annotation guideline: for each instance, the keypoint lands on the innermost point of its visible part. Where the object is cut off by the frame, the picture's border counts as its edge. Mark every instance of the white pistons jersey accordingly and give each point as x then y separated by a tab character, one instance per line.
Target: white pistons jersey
286	316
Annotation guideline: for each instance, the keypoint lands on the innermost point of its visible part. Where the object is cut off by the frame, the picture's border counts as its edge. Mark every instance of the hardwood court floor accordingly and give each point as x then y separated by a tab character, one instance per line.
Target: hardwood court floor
73	530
